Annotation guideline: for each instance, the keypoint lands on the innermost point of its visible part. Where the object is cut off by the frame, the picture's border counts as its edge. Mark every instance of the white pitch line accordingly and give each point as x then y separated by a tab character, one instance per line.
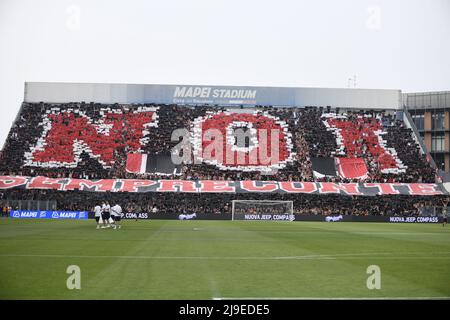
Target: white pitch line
162	257
306	257
333	298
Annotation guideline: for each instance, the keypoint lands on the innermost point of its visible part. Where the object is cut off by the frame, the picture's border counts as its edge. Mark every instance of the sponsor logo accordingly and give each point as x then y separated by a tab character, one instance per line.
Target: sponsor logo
275	217
334	218
49	214
133	215
68	215
414	219
216	93
28	214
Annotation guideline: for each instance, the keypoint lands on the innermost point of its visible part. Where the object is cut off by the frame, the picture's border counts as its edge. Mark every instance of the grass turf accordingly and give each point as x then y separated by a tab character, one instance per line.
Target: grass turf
222	259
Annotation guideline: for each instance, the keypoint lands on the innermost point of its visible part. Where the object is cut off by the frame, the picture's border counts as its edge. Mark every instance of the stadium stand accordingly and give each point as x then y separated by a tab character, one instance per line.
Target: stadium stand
93	141
104	141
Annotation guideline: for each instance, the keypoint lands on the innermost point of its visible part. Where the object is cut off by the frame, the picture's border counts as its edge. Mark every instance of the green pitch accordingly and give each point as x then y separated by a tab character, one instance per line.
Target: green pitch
222	259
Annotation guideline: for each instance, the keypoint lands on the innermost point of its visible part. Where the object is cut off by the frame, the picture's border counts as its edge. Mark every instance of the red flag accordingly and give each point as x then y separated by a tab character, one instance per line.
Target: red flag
351	168
136	163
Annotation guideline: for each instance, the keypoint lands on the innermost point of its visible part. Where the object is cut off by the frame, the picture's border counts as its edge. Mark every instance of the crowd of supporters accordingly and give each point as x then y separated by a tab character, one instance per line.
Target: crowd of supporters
217	203
310	139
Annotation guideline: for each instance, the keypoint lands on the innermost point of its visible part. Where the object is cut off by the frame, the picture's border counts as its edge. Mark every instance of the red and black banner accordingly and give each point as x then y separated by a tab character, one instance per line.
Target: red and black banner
348	168
213	186
157	164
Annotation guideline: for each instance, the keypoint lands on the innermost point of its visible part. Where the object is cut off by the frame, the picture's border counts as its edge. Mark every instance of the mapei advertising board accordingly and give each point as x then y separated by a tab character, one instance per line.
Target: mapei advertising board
49	214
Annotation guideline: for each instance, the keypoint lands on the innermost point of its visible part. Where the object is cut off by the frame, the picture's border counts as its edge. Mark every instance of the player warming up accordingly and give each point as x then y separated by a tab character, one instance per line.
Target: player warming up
106	215
116	213
98	214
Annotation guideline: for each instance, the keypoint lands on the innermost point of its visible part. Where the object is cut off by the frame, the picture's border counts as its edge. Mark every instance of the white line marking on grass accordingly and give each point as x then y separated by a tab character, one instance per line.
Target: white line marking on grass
163	257
305	257
398	233
333	298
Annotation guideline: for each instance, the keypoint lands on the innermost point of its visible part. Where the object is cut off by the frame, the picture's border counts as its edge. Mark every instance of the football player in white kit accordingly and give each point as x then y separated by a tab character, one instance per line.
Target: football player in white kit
98	214
116	213
106	215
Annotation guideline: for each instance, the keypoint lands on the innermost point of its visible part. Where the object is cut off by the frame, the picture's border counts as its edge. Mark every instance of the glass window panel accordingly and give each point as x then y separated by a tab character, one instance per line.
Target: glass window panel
437	143
438	120
418	121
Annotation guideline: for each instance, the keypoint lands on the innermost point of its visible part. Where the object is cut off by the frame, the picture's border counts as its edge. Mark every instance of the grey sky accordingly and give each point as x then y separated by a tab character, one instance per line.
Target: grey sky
396	44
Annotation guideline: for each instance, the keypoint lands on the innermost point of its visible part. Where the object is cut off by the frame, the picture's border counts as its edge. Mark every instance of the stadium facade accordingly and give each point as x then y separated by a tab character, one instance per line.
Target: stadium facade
212	95
430	112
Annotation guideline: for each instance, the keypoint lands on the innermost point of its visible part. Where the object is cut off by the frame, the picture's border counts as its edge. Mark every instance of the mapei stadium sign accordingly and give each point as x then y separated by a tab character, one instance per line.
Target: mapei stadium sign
212	186
197	94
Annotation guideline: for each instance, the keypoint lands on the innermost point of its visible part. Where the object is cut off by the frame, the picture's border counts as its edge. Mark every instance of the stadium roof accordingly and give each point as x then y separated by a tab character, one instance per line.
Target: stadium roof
58	92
